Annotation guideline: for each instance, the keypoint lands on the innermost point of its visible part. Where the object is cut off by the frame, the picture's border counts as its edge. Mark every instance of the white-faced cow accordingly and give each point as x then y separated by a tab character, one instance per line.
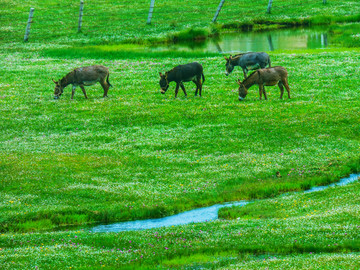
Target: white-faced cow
83	76
247	61
183	73
265	77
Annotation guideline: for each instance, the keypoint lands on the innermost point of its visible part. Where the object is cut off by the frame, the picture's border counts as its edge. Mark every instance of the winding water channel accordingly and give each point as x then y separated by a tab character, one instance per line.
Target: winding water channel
197	215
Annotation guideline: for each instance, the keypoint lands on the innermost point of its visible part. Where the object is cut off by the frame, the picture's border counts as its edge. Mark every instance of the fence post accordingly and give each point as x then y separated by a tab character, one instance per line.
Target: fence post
218	10
80	15
27	30
269	7
150	11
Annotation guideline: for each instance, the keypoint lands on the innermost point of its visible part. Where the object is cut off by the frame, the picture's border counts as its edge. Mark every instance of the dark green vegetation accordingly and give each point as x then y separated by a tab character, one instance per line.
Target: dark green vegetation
124	21
141	154
346	35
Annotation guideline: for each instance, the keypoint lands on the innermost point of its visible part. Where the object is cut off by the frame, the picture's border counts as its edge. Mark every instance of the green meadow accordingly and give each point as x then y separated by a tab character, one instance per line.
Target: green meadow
301	231
125	21
67	165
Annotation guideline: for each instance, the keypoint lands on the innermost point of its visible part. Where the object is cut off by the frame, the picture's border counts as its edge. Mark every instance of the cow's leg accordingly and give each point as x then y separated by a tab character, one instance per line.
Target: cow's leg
200	86
197	87
245	71
183	88
177	89
286	84
105	86
83	89
260	91
73	91
281	89
263	89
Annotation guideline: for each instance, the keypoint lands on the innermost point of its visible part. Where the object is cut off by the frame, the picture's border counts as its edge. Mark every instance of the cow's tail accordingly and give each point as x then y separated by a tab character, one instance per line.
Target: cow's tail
203	77
107	80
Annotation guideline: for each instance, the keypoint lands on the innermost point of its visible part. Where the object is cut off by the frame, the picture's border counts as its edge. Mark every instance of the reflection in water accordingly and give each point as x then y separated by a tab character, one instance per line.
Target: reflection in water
283	39
197	215
271	46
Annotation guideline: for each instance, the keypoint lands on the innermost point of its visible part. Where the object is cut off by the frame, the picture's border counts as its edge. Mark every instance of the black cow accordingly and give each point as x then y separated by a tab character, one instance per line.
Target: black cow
183	73
247	61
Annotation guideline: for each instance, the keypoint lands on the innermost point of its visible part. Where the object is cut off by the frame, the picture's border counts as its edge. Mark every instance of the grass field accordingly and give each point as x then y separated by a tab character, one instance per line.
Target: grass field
315	230
139	154
123	21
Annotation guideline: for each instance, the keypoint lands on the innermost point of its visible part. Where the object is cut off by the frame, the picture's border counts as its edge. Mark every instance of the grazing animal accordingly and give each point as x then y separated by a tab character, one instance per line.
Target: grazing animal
183	73
267	76
247	61
83	76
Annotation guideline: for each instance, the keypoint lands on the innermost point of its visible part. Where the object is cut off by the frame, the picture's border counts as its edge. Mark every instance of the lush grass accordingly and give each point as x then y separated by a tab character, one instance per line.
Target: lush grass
122	51
318	229
109	21
140	154
346	35
298	205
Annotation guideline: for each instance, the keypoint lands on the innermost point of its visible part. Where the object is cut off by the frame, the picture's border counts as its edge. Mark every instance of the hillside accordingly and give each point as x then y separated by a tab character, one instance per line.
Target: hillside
67	165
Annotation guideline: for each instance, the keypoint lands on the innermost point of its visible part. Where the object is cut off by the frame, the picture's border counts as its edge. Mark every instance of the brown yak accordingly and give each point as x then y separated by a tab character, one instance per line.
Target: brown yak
83	76
265	77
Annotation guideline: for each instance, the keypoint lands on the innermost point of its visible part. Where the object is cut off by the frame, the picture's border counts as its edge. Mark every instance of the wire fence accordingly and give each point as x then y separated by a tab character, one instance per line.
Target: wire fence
123	20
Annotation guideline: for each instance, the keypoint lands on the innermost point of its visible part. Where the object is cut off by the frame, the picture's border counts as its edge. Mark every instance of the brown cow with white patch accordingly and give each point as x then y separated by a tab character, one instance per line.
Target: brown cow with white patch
83	76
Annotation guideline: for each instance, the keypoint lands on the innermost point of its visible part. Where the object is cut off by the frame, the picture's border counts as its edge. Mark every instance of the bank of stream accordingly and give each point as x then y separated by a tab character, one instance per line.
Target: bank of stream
198	215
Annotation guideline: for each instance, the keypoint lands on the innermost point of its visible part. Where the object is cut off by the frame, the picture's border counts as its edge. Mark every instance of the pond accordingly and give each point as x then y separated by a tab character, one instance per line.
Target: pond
282	39
197	215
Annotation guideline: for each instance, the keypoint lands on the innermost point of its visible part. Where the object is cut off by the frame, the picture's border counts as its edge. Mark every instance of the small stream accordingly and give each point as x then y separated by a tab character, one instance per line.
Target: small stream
197	215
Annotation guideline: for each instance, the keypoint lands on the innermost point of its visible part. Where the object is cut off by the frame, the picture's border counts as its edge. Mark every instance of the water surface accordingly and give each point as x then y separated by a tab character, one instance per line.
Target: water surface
282	39
197	215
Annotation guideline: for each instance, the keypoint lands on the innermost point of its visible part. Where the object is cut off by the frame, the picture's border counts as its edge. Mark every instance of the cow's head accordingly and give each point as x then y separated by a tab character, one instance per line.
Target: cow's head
229	66
58	89
242	90
164	84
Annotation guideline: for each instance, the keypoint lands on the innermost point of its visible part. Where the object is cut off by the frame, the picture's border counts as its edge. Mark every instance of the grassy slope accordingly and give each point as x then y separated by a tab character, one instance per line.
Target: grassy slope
109	21
140	154
306	233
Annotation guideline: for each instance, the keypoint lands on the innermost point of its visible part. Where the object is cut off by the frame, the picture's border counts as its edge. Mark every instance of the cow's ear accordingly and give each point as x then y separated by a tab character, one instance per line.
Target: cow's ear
54	81
238	82
227	59
160	74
